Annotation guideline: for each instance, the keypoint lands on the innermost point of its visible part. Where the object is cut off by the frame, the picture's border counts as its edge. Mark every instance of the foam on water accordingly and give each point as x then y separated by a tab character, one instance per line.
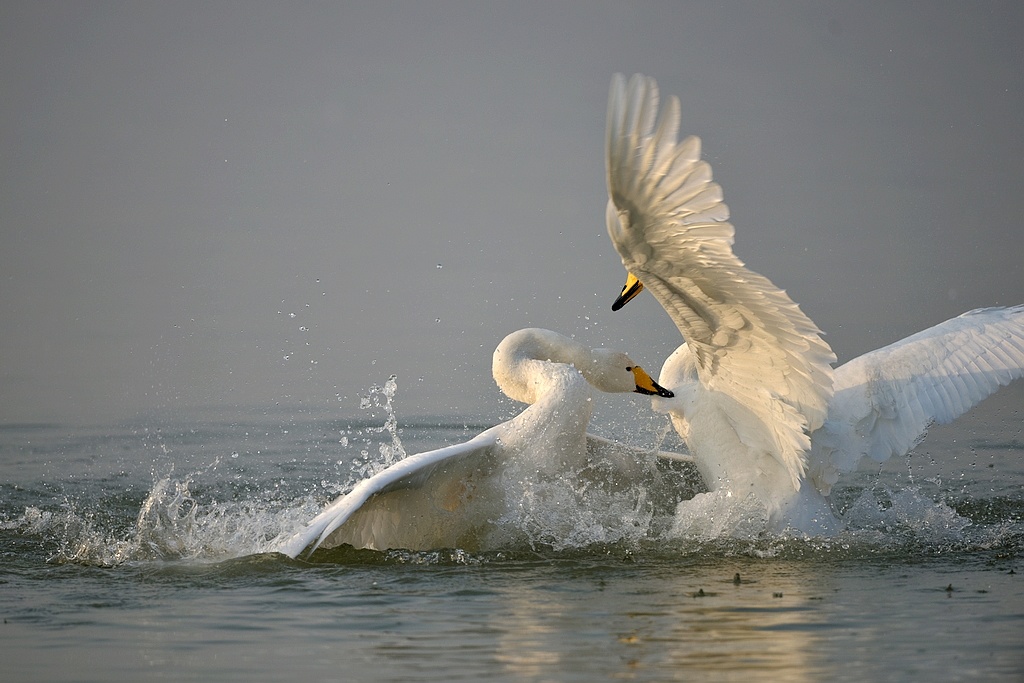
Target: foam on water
171	525
580	507
568	512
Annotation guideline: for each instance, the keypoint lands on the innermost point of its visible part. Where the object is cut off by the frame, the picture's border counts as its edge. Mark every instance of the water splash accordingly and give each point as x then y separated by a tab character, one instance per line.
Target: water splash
207	515
580	504
718	514
562	514
212	516
381	398
172	524
905	512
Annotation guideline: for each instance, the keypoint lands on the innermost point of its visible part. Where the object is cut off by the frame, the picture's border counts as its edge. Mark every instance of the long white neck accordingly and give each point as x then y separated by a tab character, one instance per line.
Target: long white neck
557	376
530	363
539	367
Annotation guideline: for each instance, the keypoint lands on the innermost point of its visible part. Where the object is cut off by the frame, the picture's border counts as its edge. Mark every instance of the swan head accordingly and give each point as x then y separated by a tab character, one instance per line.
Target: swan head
614	371
526	365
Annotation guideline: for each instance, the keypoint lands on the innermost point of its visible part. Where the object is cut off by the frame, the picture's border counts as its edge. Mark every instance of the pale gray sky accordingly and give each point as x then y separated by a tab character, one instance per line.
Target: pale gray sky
235	204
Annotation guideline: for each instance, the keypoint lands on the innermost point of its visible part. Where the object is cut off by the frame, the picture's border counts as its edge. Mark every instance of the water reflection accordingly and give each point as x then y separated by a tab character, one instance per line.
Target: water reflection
741	619
529	641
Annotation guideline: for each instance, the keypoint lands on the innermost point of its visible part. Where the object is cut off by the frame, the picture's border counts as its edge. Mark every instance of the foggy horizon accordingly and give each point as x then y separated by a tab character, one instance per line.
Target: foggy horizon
232	205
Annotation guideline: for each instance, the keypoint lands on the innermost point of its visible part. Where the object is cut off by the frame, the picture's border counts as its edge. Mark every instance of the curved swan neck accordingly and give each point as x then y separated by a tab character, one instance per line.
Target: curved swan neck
524	364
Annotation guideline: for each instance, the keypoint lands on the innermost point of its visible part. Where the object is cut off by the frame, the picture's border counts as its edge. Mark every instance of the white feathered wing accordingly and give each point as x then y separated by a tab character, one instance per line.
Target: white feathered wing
885	400
669	224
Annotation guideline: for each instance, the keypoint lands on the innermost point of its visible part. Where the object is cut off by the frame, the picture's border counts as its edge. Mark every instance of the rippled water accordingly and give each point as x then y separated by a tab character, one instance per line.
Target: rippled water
139	552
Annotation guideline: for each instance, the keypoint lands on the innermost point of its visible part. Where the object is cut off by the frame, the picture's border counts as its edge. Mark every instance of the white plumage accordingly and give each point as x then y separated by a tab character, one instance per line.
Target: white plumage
757	401
885	400
452	497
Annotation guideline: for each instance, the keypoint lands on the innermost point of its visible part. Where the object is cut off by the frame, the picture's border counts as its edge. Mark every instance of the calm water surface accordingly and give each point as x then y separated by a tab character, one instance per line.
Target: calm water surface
139	552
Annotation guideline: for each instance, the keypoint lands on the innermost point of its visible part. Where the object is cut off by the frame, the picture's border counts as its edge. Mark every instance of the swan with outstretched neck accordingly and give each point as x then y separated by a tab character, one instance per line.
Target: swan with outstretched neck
764	415
450	497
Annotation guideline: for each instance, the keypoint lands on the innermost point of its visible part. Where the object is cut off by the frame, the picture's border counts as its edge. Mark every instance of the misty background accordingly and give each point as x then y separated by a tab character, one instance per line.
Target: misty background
232	205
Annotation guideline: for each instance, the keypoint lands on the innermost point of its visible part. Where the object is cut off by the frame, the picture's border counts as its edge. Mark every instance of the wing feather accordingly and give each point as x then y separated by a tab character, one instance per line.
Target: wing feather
413	471
885	400
668	221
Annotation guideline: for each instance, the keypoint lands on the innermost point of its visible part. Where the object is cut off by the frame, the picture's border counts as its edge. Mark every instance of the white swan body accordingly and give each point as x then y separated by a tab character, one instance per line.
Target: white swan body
450	497
883	404
761	410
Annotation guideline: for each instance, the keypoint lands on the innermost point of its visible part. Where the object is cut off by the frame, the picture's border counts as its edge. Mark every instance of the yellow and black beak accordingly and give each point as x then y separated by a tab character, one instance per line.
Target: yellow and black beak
647	386
632	287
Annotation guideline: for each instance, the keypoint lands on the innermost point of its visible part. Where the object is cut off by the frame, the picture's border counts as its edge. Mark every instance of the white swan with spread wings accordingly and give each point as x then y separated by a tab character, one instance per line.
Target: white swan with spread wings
451	497
762	412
